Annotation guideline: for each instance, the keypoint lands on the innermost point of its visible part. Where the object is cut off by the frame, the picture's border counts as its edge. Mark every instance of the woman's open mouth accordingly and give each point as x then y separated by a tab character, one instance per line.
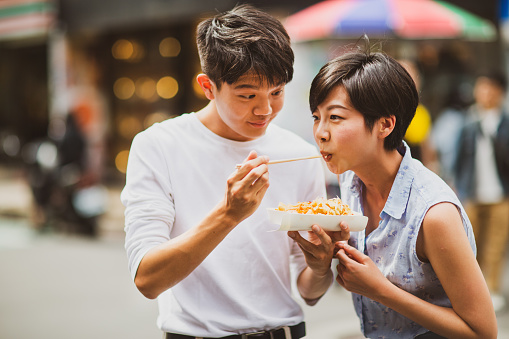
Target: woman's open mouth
326	156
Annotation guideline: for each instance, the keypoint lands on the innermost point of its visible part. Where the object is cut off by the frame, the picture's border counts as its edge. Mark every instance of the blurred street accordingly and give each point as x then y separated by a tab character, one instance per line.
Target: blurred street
66	286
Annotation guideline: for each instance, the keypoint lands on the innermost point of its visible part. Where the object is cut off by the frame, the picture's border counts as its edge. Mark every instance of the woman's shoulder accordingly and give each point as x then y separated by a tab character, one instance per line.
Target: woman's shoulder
430	187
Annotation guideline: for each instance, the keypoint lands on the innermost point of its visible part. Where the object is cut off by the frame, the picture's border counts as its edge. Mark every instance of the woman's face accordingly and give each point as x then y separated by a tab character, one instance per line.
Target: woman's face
340	132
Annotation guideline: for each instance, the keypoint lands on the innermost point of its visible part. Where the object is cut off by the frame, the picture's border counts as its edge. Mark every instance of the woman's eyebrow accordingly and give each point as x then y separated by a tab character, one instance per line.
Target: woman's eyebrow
334	106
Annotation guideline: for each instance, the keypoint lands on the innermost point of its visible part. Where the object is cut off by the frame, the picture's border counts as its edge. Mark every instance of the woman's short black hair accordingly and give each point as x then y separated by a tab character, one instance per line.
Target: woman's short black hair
243	41
377	85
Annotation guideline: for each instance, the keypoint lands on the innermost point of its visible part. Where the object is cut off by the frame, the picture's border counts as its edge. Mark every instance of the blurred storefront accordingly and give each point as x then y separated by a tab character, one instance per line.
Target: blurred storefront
121	65
118	65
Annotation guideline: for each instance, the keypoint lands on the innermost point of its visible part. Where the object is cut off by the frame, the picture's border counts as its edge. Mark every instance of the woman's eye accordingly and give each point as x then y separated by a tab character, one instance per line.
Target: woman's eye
314	117
335	117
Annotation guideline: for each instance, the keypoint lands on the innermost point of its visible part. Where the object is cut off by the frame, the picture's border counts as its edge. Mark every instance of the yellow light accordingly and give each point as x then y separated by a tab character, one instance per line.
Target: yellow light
121	161
152	118
198	91
129	126
167	87
145	88
123	88
122	49
169	47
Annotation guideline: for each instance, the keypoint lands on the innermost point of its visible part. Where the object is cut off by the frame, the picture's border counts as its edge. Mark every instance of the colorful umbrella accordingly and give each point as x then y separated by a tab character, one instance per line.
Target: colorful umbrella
407	19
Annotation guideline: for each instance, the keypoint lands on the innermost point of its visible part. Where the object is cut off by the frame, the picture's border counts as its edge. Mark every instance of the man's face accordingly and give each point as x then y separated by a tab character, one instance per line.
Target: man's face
246	107
488	95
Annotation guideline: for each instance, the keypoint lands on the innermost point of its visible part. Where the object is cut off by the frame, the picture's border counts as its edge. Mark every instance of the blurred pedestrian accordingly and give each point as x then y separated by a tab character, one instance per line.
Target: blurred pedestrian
412	271
204	253
418	132
482	176
446	131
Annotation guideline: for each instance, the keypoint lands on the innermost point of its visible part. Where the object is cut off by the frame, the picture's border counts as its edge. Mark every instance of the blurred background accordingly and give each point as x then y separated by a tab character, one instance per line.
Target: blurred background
79	79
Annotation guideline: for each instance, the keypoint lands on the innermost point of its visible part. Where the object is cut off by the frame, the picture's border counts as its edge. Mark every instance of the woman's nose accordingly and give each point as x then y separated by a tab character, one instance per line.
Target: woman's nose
322	133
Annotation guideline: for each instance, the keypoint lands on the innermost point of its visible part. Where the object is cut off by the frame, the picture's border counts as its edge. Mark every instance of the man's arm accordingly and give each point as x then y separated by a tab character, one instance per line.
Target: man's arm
167	264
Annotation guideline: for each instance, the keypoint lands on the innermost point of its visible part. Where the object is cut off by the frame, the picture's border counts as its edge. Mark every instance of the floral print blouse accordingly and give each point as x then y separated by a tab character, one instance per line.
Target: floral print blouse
392	245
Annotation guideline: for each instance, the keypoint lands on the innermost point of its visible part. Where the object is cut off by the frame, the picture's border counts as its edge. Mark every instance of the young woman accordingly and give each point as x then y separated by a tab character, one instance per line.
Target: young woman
413	271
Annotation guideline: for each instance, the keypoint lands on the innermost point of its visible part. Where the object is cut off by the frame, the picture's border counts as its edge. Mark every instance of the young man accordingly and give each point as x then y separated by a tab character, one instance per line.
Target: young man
196	228
412	271
482	177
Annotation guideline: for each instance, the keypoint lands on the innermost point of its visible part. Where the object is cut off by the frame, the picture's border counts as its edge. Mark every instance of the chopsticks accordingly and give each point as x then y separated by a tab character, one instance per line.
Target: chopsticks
286	160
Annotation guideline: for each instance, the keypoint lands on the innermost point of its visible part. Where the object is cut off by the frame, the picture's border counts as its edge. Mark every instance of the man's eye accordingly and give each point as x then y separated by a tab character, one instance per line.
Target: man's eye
277	93
315	117
251	96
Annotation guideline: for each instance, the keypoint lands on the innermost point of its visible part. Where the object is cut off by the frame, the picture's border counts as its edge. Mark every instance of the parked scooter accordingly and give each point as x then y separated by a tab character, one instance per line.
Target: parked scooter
65	197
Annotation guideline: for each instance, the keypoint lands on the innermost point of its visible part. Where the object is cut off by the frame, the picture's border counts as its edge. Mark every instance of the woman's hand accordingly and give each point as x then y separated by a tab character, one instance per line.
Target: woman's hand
319	249
357	273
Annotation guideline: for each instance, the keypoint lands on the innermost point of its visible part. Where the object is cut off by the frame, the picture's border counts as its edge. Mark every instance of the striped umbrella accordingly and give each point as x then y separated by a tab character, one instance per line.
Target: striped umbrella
20	19
407	19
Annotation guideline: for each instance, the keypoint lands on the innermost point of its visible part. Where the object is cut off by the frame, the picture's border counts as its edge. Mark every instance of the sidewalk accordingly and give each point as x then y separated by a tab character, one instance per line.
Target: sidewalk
64	286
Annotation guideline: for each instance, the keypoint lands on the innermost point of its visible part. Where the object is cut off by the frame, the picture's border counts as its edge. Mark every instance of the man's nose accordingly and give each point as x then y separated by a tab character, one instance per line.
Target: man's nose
263	107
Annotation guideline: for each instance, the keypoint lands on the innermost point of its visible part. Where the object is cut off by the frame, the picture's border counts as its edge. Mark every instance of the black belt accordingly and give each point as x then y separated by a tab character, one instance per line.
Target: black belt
297	331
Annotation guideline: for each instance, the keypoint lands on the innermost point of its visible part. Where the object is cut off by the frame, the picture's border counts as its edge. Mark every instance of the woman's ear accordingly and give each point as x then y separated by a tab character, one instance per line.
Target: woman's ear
206	85
387	125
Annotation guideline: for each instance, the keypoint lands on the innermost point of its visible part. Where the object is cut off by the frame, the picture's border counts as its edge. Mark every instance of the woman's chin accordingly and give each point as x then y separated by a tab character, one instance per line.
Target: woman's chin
334	169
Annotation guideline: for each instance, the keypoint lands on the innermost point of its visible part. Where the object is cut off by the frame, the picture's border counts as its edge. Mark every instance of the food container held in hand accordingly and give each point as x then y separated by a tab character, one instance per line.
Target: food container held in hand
325	213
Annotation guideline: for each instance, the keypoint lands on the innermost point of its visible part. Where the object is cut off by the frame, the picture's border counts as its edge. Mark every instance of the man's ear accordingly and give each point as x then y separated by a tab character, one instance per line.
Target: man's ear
206	85
386	126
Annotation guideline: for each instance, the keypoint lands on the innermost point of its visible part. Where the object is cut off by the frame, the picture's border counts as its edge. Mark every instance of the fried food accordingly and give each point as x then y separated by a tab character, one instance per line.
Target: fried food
332	206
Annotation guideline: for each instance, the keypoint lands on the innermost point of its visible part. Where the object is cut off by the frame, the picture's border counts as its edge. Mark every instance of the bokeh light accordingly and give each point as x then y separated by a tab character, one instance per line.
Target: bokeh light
127	50
169	47
129	126
122	49
121	161
152	118
167	87
198	91
123	88
145	88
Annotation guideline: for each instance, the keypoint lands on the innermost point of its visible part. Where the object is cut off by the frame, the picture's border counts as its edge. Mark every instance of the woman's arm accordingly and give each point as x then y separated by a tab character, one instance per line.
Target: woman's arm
445	245
318	251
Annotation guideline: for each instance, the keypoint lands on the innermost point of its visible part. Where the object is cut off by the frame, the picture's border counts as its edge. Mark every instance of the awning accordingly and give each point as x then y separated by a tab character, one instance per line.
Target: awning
26	19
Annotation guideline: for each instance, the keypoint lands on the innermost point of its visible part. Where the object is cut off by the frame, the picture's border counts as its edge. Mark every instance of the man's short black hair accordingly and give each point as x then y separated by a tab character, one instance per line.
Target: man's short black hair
377	85
245	41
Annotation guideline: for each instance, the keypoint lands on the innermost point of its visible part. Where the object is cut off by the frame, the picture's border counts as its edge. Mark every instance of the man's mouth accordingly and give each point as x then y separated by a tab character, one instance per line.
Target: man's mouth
326	156
259	124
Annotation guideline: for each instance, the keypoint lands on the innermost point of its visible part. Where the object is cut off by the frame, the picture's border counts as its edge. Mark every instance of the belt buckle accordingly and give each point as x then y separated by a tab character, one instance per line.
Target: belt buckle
260	334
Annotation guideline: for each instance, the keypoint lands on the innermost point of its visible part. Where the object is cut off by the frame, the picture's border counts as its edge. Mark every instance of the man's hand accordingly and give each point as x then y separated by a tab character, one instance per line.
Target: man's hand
246	187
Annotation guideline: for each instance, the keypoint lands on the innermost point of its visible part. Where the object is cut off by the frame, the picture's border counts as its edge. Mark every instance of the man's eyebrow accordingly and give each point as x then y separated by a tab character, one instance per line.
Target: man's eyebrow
249	86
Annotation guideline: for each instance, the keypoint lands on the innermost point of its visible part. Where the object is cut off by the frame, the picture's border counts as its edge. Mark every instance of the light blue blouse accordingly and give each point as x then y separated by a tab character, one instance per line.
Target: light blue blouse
392	245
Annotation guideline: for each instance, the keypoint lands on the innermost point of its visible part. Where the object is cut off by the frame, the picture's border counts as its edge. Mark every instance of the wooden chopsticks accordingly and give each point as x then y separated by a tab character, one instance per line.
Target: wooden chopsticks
286	160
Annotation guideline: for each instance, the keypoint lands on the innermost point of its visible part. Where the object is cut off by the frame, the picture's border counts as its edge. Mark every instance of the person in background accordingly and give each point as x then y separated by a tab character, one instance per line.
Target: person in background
412	271
446	130
196	227
418	133
482	176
